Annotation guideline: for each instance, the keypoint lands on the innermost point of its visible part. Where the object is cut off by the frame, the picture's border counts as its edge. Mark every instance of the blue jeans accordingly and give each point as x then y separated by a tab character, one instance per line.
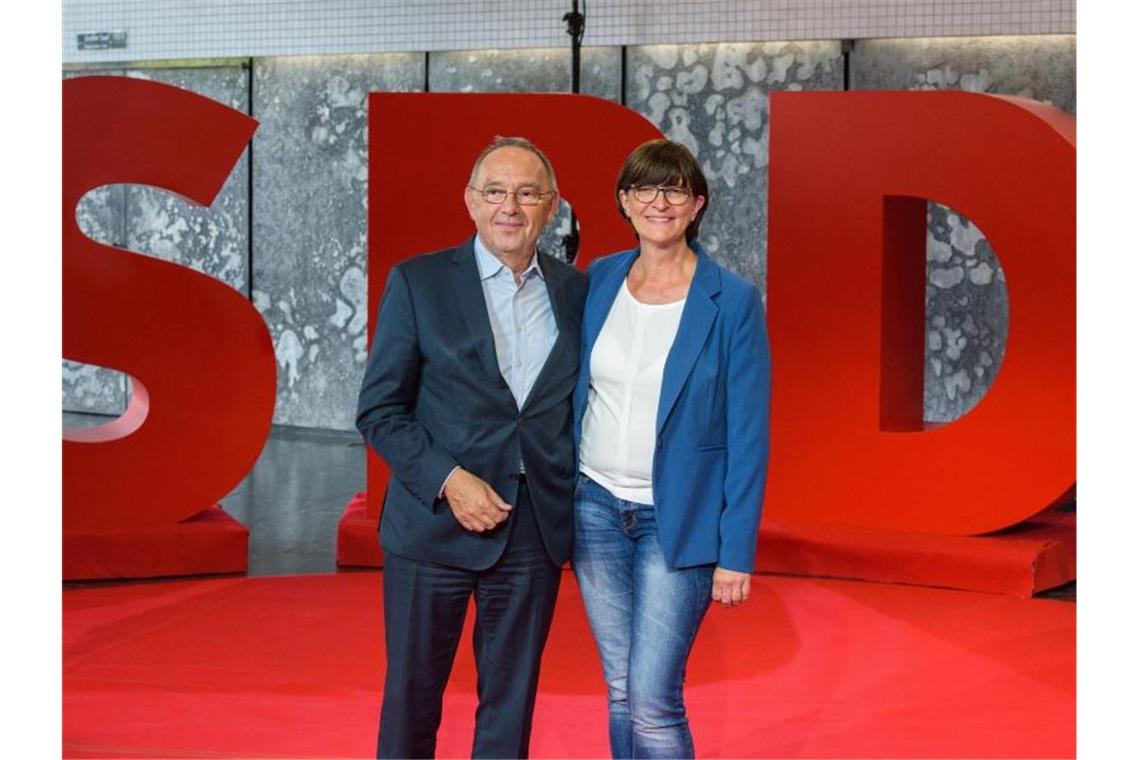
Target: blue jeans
644	617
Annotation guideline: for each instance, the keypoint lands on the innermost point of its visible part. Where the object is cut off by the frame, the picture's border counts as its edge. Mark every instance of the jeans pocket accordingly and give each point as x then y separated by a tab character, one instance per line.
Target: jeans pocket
580	481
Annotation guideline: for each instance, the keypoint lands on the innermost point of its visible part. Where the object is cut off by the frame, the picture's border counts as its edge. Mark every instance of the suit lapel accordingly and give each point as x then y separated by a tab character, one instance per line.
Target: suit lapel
697	319
468	293
555	291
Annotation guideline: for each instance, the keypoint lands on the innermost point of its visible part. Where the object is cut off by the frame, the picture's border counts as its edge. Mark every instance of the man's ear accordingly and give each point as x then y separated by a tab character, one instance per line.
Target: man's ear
553	210
469	201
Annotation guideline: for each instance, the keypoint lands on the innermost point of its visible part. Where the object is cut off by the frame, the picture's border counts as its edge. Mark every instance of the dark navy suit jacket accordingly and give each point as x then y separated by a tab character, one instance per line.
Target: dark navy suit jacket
433	398
711	455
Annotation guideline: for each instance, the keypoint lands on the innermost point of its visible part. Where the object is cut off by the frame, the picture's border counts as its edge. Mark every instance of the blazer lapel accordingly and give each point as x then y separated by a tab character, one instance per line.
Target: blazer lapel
467	291
603	291
697	319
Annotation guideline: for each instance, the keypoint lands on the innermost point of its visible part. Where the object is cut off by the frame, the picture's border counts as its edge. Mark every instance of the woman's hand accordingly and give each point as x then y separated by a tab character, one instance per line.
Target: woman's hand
730	587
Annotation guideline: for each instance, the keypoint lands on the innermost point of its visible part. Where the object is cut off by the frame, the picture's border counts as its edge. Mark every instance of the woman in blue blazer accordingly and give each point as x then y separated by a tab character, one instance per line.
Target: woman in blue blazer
671	421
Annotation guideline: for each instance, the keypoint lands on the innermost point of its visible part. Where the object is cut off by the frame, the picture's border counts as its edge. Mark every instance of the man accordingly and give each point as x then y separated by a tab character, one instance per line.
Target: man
467	397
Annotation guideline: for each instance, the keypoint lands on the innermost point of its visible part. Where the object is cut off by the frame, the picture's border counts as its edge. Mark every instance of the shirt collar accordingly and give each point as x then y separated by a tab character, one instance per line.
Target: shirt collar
489	265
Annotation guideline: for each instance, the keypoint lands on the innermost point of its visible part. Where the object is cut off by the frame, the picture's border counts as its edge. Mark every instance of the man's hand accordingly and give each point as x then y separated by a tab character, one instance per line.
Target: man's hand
474	503
730	587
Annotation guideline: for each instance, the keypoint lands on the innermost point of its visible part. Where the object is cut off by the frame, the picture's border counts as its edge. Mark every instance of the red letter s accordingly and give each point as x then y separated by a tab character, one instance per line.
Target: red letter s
199	355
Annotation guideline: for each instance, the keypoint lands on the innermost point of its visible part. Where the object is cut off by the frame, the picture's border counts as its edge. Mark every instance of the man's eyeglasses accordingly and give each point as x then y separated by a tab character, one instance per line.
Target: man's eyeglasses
525	196
674	196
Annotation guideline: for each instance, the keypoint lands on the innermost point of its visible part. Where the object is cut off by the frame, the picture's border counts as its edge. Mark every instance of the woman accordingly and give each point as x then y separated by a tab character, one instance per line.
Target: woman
671	417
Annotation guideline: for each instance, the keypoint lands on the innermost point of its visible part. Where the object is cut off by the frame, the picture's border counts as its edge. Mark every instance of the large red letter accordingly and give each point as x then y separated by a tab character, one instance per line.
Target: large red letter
849	177
199	355
422	147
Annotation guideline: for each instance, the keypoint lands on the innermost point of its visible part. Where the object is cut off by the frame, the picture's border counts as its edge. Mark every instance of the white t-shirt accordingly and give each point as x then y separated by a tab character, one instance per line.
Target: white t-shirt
619	428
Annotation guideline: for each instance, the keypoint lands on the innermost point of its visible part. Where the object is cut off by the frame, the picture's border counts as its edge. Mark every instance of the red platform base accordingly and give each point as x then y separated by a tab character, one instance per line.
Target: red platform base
357	544
207	543
1036	555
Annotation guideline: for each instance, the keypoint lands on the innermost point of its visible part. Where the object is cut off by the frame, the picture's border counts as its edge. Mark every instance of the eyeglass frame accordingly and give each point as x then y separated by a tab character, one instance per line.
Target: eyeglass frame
660	190
542	195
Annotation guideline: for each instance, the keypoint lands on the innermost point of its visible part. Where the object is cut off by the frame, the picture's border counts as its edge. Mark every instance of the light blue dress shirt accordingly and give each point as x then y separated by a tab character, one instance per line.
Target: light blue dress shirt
522	319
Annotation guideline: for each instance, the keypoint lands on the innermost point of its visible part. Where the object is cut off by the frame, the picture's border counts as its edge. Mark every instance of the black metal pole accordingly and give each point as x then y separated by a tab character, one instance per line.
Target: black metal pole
575	27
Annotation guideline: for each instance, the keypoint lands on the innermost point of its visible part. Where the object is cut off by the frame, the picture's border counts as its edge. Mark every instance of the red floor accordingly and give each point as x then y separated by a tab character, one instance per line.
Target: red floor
292	666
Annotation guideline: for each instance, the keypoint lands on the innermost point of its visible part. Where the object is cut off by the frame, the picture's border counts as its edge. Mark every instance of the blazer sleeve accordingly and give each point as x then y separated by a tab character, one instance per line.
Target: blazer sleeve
385	413
747	393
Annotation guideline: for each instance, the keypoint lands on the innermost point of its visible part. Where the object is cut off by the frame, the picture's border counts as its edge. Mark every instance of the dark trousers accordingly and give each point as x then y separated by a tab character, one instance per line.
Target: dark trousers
424	608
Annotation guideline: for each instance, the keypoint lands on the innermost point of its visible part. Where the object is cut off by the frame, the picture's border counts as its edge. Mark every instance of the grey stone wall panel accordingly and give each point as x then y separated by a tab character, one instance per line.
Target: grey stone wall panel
534	70
93	390
310	220
1042	67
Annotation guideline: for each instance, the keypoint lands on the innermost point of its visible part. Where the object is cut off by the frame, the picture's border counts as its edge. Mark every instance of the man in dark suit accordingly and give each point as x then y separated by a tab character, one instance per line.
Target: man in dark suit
467	397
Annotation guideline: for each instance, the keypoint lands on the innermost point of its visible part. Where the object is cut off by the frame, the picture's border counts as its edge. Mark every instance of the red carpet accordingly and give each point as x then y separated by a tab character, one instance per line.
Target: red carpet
292	666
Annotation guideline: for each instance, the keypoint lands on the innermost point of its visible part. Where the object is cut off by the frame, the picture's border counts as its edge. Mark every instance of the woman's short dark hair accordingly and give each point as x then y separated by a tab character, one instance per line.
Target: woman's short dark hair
664	163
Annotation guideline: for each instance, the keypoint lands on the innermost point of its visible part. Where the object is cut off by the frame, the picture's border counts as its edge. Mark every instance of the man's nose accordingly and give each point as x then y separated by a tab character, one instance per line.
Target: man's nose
511	203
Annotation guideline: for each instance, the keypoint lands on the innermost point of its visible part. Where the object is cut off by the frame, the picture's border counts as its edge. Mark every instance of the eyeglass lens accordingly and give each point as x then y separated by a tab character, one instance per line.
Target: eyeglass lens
527	196
674	196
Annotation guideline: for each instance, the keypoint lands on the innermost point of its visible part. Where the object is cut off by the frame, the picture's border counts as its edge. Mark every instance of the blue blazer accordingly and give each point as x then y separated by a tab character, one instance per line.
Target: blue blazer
711	455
